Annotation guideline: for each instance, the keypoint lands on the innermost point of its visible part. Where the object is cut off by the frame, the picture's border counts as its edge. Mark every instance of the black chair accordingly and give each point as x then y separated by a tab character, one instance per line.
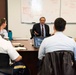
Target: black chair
58	63
15	69
4	64
31	33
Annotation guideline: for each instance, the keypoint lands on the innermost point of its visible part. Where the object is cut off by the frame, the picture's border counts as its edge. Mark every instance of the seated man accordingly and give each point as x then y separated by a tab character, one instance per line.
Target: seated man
41	29
7	48
58	41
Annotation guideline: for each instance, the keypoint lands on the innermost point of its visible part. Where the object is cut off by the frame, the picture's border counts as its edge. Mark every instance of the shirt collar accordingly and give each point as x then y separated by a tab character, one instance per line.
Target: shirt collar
42	24
59	32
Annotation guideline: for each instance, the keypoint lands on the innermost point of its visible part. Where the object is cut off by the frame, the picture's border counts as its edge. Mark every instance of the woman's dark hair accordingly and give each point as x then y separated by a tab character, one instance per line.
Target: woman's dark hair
3	20
60	24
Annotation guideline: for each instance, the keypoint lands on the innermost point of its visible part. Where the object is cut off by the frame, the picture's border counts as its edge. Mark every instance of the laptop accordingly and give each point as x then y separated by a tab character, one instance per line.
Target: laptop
38	41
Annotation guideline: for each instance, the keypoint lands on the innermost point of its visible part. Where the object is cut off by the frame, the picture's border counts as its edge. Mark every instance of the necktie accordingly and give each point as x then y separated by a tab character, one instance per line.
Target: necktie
42	31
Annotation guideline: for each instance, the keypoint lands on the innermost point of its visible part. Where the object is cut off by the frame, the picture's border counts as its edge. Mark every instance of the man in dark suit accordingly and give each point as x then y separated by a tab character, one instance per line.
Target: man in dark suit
41	29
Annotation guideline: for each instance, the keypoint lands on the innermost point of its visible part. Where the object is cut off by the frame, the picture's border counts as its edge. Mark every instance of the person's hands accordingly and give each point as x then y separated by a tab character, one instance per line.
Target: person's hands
52	34
36	33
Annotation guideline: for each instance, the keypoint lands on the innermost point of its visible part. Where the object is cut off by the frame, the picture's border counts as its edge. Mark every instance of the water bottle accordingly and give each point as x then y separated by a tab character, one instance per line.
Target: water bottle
10	35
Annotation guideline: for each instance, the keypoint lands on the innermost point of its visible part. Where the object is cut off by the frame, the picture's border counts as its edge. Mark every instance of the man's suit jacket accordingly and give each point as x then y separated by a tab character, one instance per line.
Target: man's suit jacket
37	28
58	63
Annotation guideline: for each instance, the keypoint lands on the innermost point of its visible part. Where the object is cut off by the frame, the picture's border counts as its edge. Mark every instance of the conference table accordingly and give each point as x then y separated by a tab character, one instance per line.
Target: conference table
30	55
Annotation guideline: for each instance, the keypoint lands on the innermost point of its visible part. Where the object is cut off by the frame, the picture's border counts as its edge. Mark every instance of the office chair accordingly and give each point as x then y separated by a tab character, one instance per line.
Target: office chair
17	68
31	33
58	63
5	68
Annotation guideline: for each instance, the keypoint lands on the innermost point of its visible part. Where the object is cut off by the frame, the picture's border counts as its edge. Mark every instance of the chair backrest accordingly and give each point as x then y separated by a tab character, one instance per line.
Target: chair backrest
31	33
58	63
4	60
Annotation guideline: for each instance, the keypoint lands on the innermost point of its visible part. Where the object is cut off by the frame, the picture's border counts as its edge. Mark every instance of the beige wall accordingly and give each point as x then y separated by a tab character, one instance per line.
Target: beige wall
23	30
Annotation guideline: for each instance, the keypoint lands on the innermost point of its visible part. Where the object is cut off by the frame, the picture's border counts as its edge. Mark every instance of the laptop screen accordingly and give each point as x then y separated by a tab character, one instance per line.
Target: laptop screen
38	41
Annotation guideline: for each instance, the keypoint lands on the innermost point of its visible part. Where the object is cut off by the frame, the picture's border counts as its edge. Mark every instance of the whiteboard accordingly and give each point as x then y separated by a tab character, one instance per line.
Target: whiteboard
32	10
68	10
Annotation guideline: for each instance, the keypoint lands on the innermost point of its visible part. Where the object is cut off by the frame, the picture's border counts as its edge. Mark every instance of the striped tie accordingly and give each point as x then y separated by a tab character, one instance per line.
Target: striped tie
42	31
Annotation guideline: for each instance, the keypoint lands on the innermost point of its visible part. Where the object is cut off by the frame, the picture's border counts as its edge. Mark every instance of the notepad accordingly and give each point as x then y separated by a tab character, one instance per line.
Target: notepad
18	38
16	44
20	48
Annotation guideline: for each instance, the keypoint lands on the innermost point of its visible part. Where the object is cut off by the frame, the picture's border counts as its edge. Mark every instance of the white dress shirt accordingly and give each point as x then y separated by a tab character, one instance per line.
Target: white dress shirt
57	42
7	48
5	33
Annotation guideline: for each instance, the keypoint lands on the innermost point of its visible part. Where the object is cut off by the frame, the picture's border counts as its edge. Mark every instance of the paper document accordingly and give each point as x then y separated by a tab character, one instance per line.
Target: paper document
18	38
16	44
20	48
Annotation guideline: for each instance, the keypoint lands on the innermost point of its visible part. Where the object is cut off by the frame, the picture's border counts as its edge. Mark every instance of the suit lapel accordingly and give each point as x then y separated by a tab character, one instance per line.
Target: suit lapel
39	29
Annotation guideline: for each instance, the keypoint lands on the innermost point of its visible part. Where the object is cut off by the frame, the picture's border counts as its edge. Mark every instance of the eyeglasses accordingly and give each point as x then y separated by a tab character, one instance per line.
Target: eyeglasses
42	20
